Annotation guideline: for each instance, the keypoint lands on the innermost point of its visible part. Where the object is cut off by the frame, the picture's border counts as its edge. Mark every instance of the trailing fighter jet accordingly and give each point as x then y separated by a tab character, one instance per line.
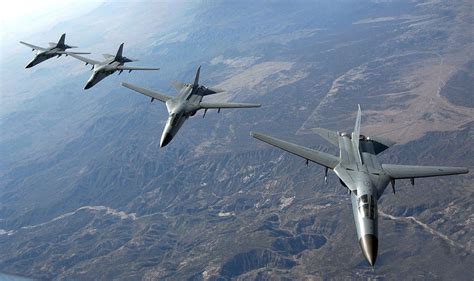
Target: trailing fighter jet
186	104
111	64
360	172
54	49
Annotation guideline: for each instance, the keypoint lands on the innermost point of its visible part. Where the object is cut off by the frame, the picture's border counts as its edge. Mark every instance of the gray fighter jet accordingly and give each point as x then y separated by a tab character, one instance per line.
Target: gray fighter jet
363	176
111	64
186	104
54	49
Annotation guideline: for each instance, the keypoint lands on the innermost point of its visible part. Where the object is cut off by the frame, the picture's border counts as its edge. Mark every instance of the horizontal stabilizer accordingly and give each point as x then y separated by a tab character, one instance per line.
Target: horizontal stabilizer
212	91
108	56
316	156
212	105
152	94
178	85
381	144
407	171
328	135
130	68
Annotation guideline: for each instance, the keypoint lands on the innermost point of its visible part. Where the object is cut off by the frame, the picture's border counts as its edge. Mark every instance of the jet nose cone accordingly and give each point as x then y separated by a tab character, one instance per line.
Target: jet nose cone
165	139
29	65
369	245
88	85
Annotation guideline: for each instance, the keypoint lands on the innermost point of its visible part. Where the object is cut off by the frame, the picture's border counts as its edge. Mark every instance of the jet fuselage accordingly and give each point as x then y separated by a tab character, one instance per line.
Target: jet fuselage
364	177
102	70
41	56
186	104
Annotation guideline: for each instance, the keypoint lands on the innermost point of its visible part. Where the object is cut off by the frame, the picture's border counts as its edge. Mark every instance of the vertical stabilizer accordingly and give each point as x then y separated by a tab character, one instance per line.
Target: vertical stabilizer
356	134
118	56
196	79
62	39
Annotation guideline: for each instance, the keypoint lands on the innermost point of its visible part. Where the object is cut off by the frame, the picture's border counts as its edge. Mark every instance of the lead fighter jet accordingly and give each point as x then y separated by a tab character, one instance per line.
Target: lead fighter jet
186	104
54	49
111	64
360	172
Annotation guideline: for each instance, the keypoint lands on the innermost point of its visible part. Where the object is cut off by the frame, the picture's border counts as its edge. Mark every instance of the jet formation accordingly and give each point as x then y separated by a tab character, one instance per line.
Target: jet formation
362	174
54	49
357	166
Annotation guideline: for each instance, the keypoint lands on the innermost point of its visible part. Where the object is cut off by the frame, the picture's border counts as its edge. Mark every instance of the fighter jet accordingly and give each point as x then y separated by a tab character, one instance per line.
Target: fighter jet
363	176
111	64
54	49
186	104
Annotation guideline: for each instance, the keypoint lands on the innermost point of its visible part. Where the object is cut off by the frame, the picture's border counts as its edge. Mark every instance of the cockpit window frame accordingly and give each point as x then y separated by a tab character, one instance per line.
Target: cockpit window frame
174	117
367	206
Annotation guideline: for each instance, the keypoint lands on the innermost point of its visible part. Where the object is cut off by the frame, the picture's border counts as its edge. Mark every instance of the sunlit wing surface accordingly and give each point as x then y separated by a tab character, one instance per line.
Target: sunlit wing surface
210	105
407	171
33	46
146	92
84	59
123	67
72	53
318	157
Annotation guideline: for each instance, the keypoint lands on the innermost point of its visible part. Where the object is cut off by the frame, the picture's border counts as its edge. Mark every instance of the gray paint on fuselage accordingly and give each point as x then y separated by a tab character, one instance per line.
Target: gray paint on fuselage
41	56
180	108
102	70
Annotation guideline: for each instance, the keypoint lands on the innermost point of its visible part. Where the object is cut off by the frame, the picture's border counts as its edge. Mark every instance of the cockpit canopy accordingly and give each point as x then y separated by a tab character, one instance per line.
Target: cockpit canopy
174	117
367	206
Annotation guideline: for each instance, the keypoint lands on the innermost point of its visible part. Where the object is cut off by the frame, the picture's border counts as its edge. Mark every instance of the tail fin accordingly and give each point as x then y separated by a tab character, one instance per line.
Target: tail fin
196	79
62	39
118	56
356	134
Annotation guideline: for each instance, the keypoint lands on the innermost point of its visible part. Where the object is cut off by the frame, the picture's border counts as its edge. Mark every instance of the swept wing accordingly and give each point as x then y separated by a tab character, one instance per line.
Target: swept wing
316	156
407	171
72	53
213	105
33	46
146	92
84	59
123	67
